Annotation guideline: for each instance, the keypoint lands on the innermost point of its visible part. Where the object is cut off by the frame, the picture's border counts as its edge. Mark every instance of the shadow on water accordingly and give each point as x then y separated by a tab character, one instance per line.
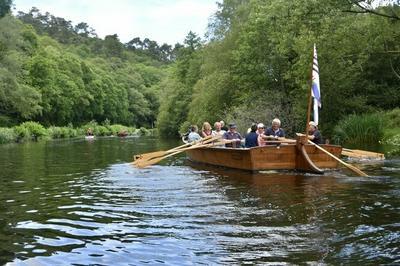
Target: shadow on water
80	202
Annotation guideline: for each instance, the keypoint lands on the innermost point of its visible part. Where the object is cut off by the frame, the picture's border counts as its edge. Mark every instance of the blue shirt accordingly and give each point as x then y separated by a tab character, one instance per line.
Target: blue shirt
251	140
230	135
279	133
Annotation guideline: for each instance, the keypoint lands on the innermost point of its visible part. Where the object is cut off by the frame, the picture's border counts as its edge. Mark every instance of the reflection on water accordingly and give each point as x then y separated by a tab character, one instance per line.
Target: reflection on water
78	202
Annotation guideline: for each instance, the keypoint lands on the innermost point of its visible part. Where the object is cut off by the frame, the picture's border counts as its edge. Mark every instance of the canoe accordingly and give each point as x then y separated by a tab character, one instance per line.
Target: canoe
297	156
89	137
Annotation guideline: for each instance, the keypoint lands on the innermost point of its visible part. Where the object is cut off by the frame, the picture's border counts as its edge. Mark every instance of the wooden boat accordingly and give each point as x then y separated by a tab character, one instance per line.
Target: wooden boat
297	156
122	134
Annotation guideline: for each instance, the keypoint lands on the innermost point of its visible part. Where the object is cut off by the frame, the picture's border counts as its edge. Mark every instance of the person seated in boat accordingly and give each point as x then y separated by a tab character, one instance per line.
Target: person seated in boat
275	131
193	135
261	134
218	131
251	139
223	127
313	133
206	130
232	135
89	132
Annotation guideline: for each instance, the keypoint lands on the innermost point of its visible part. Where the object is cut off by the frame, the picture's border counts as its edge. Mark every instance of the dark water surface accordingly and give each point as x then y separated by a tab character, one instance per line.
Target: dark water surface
82	203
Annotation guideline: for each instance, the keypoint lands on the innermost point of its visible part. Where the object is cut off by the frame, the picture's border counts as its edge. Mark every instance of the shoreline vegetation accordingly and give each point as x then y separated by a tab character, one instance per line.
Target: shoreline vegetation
252	67
370	129
33	131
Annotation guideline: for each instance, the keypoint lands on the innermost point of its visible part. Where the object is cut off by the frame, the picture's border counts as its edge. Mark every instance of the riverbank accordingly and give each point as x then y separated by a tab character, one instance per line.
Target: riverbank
33	131
370	129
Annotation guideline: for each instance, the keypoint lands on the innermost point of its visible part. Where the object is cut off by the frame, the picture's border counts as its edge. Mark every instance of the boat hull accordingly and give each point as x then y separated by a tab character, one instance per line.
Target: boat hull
267	157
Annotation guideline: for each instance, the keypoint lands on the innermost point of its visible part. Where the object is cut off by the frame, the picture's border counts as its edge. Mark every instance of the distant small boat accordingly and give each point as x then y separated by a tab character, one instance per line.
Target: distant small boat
122	134
89	137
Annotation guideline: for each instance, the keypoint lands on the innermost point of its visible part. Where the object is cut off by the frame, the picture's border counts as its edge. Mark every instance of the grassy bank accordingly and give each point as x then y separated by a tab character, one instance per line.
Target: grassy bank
382	127
33	131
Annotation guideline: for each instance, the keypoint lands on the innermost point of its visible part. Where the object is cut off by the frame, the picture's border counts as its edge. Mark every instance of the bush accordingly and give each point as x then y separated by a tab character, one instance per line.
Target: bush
144	131
7	135
392	118
62	132
101	131
118	129
36	130
21	133
132	131
359	129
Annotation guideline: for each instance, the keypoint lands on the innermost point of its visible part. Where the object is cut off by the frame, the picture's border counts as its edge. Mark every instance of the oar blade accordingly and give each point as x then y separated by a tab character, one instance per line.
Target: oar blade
361	154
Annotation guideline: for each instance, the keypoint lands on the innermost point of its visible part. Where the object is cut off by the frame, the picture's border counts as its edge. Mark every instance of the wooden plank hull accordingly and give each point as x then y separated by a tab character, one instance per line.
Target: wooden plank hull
267	157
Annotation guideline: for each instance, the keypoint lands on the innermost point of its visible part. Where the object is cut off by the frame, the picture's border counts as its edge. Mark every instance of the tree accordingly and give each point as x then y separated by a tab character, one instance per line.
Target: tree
112	45
5	7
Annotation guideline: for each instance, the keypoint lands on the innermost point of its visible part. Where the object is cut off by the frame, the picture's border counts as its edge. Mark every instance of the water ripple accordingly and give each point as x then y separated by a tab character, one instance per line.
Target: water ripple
176	214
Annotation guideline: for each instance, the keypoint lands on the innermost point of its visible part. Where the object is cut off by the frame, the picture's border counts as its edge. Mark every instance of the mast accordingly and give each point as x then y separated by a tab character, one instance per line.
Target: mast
310	95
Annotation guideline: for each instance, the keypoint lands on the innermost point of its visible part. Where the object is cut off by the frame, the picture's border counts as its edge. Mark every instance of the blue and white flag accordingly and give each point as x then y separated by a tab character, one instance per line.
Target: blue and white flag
315	88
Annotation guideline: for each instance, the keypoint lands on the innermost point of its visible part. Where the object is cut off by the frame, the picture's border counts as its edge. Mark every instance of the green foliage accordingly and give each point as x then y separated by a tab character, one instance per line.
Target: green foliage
144	131
22	133
5	7
118	129
54	73
360	129
178	89
62	132
392	119
7	135
258	61
34	129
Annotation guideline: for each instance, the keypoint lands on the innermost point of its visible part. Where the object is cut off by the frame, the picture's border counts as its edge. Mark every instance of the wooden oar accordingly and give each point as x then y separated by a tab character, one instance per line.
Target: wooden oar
351	167
147	156
363	154
279	141
143	164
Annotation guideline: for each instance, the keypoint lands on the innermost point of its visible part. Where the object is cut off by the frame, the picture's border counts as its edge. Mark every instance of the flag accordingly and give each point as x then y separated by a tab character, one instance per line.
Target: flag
315	88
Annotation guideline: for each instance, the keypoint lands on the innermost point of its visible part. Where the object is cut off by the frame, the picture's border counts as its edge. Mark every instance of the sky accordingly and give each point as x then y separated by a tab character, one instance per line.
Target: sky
165	21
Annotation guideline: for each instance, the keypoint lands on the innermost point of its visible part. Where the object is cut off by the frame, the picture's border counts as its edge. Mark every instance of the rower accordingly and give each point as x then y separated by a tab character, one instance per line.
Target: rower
232	134
313	133
275	130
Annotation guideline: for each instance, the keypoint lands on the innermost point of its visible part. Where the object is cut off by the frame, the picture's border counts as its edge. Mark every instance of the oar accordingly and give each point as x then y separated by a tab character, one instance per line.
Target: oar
363	154
147	156
141	159
279	141
351	167
282	139
143	164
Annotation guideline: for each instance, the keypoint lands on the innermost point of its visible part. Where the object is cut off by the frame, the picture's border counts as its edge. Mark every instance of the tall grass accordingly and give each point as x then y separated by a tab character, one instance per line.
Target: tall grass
360	129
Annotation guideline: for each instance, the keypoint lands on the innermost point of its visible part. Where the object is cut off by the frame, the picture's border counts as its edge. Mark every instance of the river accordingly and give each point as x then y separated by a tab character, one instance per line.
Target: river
77	202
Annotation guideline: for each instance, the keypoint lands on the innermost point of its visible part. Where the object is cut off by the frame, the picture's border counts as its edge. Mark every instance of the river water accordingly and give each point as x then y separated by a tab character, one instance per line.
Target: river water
77	202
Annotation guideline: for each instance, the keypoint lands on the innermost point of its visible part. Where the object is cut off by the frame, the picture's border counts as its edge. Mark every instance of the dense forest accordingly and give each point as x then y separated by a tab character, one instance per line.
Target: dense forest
257	64
253	65
56	73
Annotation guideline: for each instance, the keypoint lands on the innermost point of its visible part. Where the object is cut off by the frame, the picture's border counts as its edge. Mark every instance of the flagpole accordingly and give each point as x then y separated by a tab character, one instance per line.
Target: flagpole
310	95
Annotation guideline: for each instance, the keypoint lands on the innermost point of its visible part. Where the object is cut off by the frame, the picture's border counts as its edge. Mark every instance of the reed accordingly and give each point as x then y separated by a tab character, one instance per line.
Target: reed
359	129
